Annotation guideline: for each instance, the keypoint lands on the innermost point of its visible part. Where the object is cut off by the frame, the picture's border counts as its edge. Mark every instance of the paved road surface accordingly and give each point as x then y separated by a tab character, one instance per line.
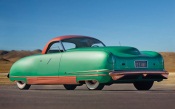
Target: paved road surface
119	96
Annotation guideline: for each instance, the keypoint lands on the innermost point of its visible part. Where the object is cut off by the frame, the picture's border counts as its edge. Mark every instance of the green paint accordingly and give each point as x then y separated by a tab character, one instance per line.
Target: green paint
86	63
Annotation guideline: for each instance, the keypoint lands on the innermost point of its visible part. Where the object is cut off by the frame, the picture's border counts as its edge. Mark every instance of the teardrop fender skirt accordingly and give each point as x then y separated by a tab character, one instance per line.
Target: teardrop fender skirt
116	75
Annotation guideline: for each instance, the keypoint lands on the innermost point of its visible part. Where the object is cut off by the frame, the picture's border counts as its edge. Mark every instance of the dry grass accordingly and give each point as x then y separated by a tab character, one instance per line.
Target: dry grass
4	68
169	59
7	58
5	80
170	80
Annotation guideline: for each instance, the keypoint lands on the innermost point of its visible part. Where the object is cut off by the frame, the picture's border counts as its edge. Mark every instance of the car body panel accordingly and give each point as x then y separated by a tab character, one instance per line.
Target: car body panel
49	64
103	64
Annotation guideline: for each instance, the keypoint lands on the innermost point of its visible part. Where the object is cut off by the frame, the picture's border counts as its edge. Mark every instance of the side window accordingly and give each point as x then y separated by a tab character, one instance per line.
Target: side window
97	45
55	48
68	45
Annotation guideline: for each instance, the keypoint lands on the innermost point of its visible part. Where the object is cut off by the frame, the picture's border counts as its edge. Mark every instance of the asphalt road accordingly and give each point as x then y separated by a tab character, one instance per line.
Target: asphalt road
119	96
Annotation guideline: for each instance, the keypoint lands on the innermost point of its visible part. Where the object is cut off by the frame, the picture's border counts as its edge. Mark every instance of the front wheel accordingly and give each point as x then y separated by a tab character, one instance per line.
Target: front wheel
145	85
94	85
22	85
69	87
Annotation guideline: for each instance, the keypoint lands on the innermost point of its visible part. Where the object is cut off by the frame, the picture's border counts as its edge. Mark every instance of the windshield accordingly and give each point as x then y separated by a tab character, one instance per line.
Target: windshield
81	43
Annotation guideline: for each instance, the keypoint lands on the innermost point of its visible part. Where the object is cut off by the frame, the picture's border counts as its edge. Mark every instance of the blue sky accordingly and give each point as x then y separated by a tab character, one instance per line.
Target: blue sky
144	24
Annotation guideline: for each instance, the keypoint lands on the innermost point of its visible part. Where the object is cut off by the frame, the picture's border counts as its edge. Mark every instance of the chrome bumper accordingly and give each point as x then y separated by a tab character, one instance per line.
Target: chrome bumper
119	74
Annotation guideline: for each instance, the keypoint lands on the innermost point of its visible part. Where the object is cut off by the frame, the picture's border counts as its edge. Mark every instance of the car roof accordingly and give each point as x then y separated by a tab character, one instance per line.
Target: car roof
59	38
67	37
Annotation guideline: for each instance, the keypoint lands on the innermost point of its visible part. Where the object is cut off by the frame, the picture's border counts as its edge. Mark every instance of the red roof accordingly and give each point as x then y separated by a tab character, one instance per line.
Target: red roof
59	39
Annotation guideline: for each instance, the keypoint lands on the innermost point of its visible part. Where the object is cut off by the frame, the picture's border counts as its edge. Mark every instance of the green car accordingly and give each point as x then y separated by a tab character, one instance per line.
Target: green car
76	60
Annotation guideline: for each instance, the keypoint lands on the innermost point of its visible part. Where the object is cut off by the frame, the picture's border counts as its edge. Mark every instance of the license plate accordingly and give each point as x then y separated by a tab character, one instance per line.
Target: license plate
141	64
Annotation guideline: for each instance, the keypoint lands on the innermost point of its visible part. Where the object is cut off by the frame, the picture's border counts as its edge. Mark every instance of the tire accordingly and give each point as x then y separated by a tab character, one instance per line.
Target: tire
94	85
22	85
69	87
146	85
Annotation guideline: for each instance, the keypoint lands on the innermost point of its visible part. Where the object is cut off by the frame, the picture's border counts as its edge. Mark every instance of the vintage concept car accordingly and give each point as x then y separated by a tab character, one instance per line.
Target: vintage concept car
75	60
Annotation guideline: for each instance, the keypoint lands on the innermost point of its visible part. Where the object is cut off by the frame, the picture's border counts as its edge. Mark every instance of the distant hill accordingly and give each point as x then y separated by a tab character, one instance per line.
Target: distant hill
7	58
13	55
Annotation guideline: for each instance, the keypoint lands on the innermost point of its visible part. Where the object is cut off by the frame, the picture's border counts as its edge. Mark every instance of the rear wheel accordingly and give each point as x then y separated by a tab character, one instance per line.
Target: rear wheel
94	85
145	85
22	85
69	87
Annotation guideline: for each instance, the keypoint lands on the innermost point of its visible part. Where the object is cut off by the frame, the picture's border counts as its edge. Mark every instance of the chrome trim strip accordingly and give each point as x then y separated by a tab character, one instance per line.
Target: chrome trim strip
57	76
89	71
138	72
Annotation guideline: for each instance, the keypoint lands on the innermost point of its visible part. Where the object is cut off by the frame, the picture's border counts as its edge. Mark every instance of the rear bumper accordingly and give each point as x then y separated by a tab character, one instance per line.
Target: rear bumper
116	75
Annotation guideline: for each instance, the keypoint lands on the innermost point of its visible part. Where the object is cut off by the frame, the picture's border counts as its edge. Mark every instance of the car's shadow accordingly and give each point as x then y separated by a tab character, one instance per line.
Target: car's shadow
114	90
128	88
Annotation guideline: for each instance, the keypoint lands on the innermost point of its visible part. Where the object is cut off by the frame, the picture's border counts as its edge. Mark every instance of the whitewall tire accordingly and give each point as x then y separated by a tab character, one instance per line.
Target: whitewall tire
94	85
22	85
